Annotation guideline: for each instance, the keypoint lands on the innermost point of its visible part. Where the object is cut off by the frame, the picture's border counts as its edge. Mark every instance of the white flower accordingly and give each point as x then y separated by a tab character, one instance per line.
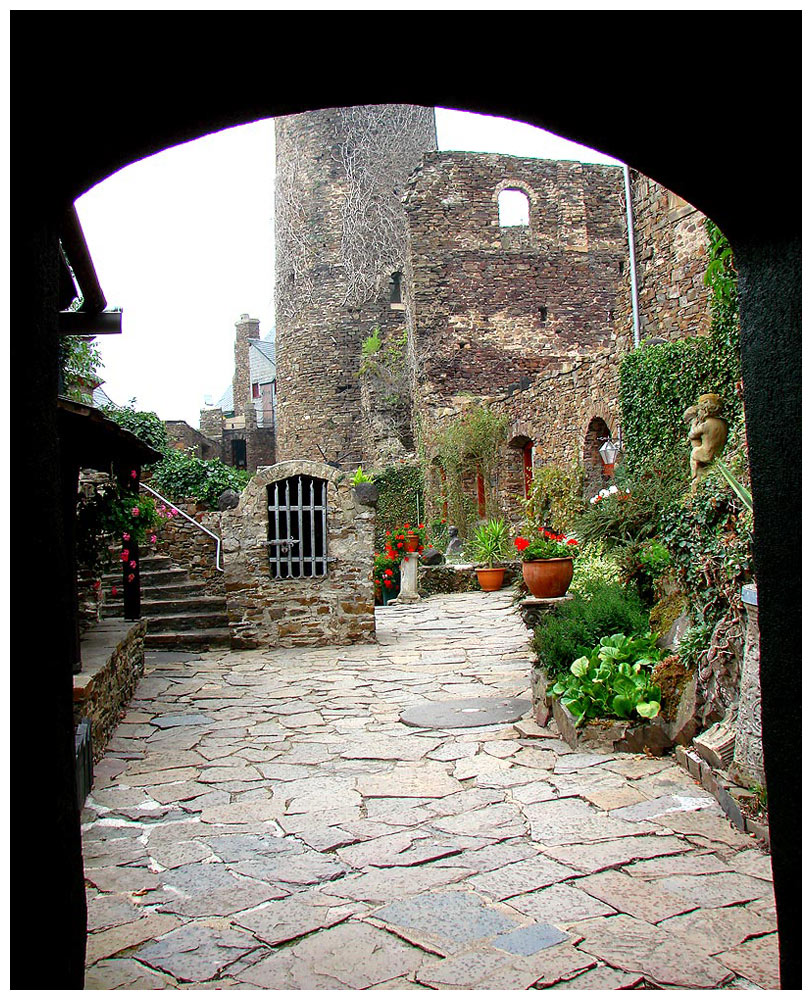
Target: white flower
613	489
604	493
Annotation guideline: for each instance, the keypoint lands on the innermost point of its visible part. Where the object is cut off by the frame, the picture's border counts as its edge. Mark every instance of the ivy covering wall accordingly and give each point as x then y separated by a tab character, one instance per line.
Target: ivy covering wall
400	499
659	382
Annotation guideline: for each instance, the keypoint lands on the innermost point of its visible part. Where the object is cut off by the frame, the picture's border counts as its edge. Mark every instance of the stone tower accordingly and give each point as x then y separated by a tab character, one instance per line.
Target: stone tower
340	258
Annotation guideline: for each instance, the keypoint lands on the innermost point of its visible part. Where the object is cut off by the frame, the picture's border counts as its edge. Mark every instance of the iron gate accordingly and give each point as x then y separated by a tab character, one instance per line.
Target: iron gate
297	527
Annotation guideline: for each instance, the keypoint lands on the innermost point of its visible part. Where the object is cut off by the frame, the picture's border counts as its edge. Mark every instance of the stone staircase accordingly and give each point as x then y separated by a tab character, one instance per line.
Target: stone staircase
181	614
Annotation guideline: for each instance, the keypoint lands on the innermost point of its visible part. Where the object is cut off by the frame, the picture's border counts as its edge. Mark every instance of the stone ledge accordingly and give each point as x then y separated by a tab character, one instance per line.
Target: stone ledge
112	663
726	793
99	644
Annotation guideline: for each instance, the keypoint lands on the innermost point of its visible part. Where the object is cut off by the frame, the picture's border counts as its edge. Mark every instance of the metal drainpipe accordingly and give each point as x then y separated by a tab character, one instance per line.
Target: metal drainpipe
632	261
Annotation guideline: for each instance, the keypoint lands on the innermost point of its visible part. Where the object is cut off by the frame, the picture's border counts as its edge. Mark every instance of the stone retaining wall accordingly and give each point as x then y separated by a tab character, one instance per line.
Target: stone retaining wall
457	578
112	663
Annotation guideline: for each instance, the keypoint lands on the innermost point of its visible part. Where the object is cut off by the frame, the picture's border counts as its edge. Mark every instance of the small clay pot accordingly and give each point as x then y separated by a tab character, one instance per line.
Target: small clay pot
491	579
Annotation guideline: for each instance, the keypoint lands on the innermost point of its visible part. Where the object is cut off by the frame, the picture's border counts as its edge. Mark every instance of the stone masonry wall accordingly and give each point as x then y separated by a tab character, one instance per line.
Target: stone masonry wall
521	319
184	437
340	239
192	549
671	247
337	608
112	663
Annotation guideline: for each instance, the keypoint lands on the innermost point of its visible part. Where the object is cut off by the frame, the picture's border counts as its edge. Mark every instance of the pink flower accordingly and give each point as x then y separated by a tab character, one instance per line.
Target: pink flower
125	555
114	591
133	474
153	539
126	536
130	578
135	512
97	585
133	564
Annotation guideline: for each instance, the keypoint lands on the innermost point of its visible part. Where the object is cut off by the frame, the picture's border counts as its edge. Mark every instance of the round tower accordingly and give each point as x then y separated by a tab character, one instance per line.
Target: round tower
340	257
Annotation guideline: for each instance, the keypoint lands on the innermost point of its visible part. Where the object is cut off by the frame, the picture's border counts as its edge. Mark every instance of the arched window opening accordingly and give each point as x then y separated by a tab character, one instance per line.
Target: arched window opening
480	493
514	208
396	291
596	471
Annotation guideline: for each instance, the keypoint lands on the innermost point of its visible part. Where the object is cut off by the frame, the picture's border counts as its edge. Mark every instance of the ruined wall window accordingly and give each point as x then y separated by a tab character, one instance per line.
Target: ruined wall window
238	454
297	527
396	291
255	390
480	493
514	208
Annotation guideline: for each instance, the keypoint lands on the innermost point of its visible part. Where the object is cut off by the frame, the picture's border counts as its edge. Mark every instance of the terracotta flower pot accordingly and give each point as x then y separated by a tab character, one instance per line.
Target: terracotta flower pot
548	577
412	541
491	578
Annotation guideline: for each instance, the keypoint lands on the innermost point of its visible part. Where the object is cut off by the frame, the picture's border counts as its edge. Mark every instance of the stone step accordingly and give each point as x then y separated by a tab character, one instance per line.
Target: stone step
201	639
180	604
150	577
185	622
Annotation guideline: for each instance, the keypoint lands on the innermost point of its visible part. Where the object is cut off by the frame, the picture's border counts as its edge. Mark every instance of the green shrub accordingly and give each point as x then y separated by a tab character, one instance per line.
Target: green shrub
143	423
574	628
592	568
181	475
555	498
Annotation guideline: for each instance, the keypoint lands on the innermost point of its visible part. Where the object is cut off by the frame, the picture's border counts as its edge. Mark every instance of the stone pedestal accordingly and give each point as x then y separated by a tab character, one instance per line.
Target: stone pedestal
408	580
748	761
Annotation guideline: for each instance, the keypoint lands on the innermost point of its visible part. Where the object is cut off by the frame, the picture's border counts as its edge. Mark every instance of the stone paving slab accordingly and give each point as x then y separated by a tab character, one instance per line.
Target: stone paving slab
262	819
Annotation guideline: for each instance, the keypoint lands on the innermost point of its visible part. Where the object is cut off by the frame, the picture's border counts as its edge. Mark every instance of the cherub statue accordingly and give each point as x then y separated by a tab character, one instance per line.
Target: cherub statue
707	434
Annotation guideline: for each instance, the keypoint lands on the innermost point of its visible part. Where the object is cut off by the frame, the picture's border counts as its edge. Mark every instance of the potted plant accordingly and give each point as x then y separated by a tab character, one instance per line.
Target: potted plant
547	562
386	576
490	545
407	539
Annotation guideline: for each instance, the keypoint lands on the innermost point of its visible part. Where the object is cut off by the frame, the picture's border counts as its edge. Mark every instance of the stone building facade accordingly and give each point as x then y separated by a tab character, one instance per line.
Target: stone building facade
327	596
242	426
518	317
340	258
671	249
378	232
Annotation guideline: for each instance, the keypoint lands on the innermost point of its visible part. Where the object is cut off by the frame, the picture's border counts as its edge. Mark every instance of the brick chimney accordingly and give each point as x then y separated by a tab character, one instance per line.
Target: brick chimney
247	328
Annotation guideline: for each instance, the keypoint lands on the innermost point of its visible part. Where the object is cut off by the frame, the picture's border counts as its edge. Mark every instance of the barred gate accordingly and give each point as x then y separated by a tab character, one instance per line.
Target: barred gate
297	527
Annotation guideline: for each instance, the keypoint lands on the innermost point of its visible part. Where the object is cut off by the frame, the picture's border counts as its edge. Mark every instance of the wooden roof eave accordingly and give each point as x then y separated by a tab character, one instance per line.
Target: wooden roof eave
94	441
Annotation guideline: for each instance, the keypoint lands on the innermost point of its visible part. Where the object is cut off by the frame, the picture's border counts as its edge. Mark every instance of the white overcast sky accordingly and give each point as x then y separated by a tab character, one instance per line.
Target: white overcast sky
183	243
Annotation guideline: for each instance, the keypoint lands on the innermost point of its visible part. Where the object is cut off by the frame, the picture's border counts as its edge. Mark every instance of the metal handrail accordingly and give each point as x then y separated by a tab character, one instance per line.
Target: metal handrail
191	520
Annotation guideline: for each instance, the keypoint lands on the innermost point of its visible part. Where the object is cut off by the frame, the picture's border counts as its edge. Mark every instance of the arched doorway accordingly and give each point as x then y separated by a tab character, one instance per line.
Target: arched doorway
596	472
56	162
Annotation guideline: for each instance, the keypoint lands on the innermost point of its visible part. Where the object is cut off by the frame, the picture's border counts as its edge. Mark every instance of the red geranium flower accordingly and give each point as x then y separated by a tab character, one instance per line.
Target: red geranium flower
521	543
131	577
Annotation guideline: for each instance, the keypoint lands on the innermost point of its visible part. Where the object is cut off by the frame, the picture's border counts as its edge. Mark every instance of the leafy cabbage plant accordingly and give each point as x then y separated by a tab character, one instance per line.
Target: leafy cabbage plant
614	681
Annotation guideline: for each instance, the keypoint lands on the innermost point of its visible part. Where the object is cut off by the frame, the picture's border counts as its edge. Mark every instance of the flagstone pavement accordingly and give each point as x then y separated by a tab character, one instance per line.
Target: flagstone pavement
264	820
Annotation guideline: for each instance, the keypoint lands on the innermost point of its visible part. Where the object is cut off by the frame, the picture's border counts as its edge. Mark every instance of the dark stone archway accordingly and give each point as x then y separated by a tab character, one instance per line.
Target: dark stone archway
595	476
80	115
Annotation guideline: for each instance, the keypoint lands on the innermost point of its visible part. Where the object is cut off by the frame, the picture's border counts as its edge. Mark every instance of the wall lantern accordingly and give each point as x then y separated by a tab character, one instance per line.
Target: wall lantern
609	452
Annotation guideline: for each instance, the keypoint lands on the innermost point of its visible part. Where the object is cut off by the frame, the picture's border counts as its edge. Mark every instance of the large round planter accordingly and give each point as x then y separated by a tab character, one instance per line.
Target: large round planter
491	578
547	577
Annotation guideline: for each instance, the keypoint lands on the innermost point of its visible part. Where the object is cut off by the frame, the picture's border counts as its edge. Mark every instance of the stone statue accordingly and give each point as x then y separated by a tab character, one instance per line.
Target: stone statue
455	546
707	434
